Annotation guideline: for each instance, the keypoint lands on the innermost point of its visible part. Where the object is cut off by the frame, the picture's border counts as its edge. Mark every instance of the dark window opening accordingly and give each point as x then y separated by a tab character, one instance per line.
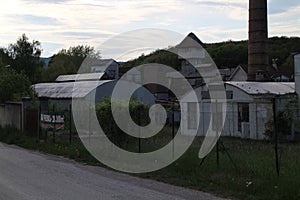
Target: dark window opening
243	114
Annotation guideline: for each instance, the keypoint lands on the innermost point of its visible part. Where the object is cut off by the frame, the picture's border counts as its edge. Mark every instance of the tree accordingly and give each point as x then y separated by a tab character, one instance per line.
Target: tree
13	85
5	59
25	55
229	53
138	111
161	56
80	51
68	61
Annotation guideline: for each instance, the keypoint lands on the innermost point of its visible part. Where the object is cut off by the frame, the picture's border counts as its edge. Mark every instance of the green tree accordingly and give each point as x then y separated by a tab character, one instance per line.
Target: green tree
68	61
160	56
80	51
5	59
13	85
60	65
25	55
229	53
138	111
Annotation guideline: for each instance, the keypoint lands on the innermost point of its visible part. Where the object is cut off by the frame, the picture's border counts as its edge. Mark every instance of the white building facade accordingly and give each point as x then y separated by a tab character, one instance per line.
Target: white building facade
249	109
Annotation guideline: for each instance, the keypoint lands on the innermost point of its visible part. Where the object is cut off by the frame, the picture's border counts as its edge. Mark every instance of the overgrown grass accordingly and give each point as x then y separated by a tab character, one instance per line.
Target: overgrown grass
254	178
61	147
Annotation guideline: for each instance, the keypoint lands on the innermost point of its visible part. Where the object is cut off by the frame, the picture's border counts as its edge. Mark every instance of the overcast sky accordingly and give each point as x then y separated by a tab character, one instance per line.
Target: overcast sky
59	24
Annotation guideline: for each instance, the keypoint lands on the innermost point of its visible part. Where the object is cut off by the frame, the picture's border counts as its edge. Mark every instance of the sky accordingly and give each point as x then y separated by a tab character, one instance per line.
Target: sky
59	24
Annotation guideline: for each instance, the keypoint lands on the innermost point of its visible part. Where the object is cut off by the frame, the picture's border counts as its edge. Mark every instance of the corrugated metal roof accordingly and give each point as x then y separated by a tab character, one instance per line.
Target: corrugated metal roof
257	88
80	77
67	89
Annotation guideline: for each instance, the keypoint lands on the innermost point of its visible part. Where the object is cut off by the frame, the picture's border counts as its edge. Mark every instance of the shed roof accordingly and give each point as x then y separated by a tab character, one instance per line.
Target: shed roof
80	77
67	89
260	88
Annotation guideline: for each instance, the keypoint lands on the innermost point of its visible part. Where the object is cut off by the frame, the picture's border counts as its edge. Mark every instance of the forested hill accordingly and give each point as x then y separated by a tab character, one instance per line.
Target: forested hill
228	54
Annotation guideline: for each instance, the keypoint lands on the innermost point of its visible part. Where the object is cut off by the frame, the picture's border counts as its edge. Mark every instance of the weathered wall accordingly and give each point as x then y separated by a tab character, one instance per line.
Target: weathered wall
11	115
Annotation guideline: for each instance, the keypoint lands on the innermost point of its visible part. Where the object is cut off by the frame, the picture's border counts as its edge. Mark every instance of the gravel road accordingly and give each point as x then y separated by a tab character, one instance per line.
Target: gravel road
26	174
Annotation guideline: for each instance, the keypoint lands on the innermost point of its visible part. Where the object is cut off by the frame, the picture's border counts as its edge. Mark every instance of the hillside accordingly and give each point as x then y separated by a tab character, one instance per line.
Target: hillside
228	54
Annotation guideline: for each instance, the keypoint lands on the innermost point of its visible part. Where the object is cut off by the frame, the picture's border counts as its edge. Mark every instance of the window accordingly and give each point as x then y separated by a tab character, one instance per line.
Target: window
129	77
137	78
112	73
243	114
192	116
217	116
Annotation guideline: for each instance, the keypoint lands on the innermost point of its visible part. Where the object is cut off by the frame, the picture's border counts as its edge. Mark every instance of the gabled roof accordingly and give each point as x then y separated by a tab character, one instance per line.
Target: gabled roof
67	89
272	72
105	62
80	77
226	72
189	41
259	88
240	67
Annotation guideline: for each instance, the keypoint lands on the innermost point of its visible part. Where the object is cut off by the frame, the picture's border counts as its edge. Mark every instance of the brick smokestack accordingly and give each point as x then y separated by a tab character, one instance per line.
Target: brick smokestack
258	59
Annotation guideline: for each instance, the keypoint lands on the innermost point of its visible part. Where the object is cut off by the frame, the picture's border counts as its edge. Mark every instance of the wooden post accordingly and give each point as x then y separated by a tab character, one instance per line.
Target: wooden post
275	137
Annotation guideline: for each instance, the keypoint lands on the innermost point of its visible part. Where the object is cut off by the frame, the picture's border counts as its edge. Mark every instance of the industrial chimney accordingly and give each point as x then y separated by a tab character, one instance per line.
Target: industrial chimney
258	59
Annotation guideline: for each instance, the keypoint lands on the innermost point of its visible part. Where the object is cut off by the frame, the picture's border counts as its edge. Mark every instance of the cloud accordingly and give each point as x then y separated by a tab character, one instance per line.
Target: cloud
33	19
284	23
280	6
47	1
219	33
50	48
91	22
87	34
133	43
219	3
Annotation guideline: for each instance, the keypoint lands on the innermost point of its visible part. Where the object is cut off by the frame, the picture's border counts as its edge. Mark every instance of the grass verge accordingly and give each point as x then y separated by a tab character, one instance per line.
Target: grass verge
254	178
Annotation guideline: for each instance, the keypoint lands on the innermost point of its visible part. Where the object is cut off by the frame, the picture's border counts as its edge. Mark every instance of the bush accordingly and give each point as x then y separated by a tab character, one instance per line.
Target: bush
139	114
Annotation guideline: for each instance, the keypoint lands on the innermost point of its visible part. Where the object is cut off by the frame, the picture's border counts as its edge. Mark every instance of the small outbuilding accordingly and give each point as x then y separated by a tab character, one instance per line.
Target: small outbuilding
62	93
249	108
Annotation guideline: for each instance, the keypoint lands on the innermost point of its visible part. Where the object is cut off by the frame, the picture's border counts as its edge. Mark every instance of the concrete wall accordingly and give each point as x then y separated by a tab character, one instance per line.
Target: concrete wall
11	115
260	115
203	116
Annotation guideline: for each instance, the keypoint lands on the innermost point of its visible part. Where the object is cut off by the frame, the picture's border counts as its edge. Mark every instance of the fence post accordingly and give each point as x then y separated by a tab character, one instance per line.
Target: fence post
139	123
90	117
54	123
173	128
275	137
70	124
46	131
39	120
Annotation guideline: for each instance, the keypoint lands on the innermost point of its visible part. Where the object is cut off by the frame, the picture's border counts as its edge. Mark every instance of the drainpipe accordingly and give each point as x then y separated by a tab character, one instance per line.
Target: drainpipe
297	76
